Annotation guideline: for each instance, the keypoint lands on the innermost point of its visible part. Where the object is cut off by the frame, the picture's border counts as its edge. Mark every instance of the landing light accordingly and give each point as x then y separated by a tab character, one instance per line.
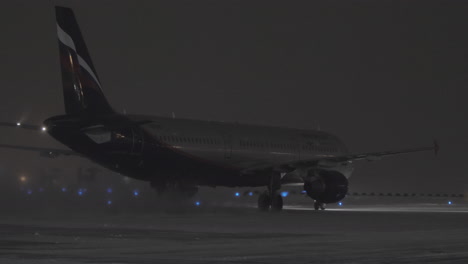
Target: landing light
237	194
284	194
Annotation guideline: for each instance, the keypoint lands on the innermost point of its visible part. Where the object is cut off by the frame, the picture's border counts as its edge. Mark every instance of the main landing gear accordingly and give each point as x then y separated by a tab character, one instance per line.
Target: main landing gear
271	198
319	205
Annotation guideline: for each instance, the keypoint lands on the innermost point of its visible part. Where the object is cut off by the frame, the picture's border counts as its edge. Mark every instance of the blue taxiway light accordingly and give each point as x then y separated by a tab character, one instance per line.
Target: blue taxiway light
109	190
136	193
197	203
237	194
29	192
340	203
80	193
449	202
303	191
284	194
64	189
109	202
41	189
250	193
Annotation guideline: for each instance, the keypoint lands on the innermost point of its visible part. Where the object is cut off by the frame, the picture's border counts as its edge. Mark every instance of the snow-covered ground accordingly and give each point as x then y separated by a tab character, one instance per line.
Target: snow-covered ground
386	234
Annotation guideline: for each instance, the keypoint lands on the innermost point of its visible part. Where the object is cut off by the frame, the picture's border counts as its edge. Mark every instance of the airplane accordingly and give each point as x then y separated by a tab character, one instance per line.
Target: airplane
179	155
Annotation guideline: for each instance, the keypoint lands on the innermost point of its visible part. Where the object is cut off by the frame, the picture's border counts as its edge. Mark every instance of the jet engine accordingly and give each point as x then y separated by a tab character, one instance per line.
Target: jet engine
326	186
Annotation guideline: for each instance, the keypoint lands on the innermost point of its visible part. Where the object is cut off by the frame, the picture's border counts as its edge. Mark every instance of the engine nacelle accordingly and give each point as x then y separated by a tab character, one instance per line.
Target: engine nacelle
326	186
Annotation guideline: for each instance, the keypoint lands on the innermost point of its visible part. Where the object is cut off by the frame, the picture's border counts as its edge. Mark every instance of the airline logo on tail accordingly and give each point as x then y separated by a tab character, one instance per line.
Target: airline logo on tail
68	41
81	86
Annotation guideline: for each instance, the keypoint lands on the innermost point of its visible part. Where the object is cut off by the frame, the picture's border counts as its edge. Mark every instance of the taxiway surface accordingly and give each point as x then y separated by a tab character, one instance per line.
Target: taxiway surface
415	234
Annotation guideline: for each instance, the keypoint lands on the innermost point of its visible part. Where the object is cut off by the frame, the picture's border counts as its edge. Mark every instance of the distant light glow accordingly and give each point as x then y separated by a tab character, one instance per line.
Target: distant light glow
284	194
18	124
44	128
197	203
29	192
340	203
237	194
23	179
136	193
109	202
449	202
250	193
109	190
64	189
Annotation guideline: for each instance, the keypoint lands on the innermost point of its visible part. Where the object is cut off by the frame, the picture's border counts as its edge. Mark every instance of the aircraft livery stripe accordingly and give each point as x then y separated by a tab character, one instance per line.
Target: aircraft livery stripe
68	41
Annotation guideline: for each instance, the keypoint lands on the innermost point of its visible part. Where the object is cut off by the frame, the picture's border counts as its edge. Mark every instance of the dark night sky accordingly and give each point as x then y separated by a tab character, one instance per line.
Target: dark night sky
381	75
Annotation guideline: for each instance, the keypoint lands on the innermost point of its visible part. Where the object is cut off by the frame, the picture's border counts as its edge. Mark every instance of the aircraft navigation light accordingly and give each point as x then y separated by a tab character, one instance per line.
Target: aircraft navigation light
449	202
109	202
136	193
197	203
340	203
18	124
284	194
109	190
237	194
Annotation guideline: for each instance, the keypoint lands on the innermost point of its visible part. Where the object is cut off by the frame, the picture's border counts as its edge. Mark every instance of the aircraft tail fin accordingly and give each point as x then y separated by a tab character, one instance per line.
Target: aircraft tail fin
81	86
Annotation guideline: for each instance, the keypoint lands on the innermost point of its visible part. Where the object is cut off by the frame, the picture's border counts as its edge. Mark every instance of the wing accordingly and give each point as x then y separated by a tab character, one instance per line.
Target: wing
23	126
370	156
45	152
289	169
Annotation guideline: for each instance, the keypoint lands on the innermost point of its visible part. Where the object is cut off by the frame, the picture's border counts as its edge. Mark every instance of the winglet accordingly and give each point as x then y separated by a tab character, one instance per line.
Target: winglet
436	147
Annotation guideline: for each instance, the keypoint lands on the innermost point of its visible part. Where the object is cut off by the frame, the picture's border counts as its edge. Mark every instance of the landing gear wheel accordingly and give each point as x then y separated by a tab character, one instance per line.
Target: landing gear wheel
264	201
277	203
319	205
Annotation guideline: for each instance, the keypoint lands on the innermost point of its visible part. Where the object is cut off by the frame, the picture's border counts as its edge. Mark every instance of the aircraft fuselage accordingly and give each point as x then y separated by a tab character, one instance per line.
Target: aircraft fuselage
158	149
